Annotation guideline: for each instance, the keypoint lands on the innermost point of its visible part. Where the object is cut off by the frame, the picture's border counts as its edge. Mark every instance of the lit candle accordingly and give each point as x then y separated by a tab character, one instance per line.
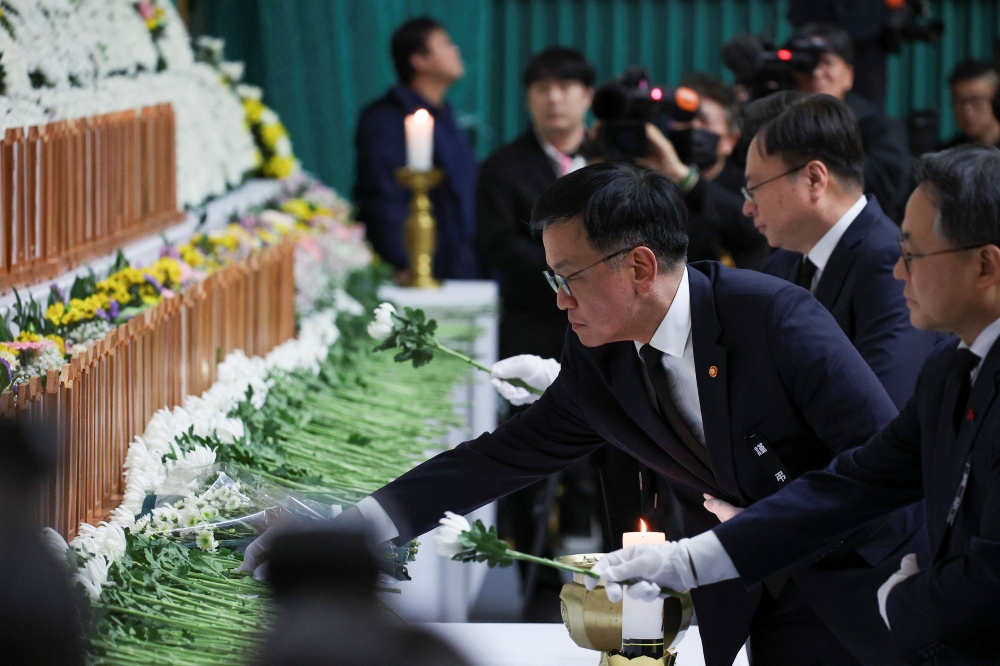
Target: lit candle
419	140
642	621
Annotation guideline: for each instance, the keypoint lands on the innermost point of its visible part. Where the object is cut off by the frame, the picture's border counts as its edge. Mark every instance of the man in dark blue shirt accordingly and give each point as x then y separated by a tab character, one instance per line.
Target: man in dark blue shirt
427	63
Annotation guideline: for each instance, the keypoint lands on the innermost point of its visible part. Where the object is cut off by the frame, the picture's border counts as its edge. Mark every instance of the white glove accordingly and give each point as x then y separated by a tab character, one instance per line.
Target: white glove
907	567
662	565
256	555
723	510
535	371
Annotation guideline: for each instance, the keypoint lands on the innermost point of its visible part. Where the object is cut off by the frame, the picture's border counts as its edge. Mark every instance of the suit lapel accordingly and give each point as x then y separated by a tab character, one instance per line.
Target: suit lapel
710	361
628	387
952	452
834	275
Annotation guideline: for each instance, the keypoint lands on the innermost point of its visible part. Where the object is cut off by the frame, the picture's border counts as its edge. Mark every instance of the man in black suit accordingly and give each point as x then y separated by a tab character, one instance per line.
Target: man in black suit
888	165
943	449
559	84
694	371
832	239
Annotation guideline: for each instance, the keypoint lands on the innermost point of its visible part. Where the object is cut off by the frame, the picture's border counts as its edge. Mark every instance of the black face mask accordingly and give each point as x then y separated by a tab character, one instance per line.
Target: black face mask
696	146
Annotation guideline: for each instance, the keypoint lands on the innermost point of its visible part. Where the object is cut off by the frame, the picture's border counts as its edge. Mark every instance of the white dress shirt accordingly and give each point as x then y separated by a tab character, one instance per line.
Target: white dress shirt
822	251
673	338
982	345
562	163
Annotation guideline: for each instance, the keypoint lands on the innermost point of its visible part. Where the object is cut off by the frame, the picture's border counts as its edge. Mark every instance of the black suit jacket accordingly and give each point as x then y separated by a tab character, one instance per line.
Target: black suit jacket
770	361
510	181
858	289
888	163
950	612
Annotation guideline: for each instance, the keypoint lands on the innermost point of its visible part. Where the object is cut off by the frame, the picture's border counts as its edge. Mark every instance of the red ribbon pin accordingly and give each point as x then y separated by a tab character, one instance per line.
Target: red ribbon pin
970	415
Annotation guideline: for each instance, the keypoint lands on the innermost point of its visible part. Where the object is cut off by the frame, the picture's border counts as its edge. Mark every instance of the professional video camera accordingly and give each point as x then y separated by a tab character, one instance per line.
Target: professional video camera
762	68
909	21
625	105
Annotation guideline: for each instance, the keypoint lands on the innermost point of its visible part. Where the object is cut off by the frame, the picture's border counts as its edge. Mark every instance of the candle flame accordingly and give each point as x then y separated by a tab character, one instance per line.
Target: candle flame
642	525
421	116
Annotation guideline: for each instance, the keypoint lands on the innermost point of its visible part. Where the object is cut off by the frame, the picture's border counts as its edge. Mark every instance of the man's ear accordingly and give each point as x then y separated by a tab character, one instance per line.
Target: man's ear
818	176
642	263
989	266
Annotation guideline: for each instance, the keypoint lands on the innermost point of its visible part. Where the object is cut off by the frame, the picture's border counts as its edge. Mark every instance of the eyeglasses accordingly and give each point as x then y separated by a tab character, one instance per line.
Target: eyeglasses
908	257
558	282
748	191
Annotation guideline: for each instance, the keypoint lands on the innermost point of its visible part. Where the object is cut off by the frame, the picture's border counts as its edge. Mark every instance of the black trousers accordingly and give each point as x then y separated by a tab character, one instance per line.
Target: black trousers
785	631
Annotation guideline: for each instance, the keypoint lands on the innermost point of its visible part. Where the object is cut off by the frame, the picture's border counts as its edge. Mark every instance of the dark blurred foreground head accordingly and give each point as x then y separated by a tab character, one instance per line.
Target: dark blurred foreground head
324	585
39	619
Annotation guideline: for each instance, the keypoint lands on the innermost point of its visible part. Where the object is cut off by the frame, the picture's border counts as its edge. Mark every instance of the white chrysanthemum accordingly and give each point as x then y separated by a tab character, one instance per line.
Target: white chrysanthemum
206	541
447	538
93	575
382	326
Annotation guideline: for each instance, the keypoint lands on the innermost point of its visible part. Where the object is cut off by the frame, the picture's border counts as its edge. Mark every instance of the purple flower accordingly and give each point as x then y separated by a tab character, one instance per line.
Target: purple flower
156	283
6	365
103	315
59	292
170	251
113	311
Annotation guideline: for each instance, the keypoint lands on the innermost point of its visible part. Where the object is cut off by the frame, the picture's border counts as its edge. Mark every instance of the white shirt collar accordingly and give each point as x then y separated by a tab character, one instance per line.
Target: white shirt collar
821	252
984	341
673	332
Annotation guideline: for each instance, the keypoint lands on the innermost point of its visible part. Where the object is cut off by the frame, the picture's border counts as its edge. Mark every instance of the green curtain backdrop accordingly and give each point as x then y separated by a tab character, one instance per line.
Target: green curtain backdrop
321	61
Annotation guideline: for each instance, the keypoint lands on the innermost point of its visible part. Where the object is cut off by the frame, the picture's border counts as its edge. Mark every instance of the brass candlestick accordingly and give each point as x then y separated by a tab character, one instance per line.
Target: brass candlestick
594	623
421	228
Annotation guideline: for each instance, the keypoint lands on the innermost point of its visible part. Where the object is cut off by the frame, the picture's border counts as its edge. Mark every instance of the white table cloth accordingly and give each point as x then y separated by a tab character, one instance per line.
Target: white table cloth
543	645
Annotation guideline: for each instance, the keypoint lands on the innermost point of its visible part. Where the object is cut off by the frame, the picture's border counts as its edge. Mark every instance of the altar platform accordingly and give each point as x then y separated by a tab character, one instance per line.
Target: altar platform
542	645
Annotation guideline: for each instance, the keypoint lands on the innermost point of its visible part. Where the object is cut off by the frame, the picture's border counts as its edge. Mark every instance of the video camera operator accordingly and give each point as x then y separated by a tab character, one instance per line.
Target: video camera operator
888	165
688	135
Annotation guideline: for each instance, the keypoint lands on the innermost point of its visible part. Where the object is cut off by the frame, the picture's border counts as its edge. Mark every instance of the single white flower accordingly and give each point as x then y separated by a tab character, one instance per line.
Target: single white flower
55	541
283	222
206	541
447	538
189	517
233	70
382	326
247	91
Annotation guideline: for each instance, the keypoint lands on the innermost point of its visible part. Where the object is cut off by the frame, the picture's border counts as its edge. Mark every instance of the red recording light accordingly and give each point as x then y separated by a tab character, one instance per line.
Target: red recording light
656	94
784	54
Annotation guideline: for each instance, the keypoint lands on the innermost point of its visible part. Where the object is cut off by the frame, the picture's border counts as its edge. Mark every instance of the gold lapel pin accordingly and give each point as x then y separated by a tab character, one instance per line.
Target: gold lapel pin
713	371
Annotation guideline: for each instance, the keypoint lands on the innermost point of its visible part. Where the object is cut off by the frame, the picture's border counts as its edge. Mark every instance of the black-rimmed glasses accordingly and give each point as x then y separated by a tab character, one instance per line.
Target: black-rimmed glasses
748	191
558	282
908	257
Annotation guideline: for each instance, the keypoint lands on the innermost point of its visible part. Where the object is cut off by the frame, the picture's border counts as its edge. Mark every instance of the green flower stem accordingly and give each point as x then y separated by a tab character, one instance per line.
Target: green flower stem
517	555
480	366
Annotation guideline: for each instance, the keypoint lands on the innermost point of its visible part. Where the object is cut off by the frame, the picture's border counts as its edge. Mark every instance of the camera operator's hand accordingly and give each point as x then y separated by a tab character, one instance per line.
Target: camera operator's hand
663	158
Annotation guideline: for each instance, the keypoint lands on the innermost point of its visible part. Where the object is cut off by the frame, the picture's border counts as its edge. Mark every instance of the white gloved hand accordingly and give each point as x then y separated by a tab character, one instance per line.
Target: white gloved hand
664	565
723	510
907	567
257	554
535	371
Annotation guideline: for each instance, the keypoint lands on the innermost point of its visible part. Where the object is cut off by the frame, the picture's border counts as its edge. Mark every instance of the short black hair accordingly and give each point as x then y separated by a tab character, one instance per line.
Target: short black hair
820	127
715	89
410	38
622	206
962	182
559	62
837	41
761	111
971	69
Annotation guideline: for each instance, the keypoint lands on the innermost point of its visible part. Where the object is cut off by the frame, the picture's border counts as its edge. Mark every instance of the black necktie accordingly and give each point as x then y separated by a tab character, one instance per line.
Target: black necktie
967	361
807	270
652	360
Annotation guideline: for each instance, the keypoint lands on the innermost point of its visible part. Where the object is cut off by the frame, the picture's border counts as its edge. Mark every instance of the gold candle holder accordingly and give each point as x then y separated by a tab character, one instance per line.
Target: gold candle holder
595	623
421	229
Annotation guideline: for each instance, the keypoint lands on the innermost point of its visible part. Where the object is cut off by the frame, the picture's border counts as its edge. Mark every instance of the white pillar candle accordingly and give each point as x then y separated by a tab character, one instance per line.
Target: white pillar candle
642	621
419	140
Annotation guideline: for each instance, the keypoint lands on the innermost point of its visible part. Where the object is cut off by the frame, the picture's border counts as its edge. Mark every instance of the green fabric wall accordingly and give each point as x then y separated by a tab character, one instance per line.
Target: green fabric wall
321	61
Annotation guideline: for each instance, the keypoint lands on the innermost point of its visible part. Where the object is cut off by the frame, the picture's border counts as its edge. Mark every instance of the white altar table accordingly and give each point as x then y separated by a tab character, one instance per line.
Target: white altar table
543	645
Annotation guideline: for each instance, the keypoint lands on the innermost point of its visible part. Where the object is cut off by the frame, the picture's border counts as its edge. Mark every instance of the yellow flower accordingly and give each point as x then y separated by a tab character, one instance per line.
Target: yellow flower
271	134
59	343
55	313
279	167
192	256
26	336
254	108
298	207
267	236
9	355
